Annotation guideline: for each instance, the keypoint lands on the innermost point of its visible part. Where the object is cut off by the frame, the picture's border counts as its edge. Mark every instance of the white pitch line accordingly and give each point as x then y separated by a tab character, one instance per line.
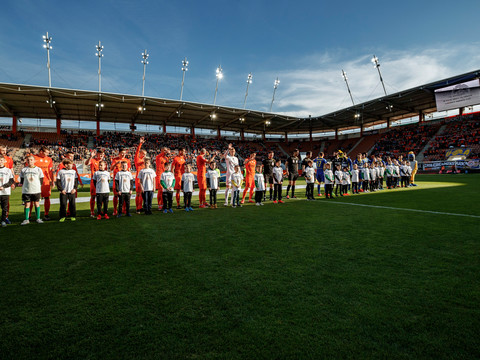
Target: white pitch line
413	210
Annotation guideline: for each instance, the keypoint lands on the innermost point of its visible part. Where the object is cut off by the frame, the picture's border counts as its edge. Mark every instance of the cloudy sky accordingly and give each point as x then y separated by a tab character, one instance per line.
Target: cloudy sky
305	43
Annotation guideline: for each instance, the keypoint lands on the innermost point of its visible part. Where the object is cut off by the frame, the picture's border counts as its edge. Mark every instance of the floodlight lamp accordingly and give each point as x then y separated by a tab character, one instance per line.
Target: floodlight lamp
242	119
375	61
357	115
275	84
267	122
249	78
219	72
213	116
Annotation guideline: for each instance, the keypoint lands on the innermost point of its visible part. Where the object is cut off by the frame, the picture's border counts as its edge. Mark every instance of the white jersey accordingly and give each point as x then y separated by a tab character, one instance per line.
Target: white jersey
403	170
168	179
213	176
346	178
389	170
231	162
382	171
373	174
309	175
396	171
5	175
124	179
277	175
366	174
236	178
328	177
147	178
32	180
338	177
188	179
67	179
355	175
259	182
102	178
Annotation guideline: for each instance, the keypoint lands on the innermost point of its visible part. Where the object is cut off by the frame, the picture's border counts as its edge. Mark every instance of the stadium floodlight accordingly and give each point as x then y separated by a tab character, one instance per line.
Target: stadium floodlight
344	74
376	64
99	54
219	75
48	40
357	116
213	115
249	81
242	119
275	85
184	69
267	122
145	63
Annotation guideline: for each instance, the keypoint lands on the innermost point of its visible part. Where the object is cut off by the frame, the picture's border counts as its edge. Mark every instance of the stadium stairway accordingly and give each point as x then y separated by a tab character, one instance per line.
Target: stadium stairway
355	145
282	149
440	131
90	144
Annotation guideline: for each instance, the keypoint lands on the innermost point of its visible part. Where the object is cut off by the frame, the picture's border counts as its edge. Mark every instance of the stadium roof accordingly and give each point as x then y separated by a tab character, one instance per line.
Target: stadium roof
27	101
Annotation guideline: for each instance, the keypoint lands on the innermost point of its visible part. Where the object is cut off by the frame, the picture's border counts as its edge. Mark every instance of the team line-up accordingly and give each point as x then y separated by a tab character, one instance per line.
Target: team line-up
172	174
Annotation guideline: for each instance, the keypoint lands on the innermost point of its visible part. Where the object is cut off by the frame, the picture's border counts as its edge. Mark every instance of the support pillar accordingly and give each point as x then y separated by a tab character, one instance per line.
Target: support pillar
286	137
461	111
164	128
192	132
421	117
336	134
59	125
388	123
98	127
263	135
242	135
361	130
132	127
14	124
311	136
219	136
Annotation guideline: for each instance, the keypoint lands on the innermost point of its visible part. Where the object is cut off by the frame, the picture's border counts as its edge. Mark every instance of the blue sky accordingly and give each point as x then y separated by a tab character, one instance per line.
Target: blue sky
305	43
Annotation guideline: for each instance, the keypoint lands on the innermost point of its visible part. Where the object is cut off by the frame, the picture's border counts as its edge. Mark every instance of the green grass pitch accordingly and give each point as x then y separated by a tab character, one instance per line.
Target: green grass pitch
303	280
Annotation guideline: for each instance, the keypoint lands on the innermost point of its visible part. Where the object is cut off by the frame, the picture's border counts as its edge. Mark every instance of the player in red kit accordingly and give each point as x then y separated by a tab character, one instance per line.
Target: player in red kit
160	162
202	176
139	161
116	167
250	165
46	164
178	169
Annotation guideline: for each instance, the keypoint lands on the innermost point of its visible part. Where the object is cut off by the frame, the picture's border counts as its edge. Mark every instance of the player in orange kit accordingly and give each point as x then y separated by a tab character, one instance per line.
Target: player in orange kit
178	169
95	158
46	164
8	165
202	176
139	161
250	165
116	167
160	162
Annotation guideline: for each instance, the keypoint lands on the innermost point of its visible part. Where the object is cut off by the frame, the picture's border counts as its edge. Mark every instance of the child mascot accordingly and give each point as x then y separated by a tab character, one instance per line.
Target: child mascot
413	166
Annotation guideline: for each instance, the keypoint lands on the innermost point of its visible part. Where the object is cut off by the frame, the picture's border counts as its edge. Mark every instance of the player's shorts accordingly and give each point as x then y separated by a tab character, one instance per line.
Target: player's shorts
46	191
202	183
158	183
292	176
249	182
320	177
228	180
268	178
178	183
31	197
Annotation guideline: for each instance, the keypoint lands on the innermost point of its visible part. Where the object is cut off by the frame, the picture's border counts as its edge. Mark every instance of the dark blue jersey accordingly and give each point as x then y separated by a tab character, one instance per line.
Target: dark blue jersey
320	162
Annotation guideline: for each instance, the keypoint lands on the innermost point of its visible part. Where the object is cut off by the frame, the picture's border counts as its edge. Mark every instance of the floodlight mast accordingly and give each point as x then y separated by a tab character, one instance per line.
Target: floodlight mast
99	54
376	64
145	63
249	81
344	74
219	75
275	85
47	40
184	69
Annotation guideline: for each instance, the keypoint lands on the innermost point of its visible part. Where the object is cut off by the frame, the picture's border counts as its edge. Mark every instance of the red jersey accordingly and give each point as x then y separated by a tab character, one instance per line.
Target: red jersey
117	164
94	165
160	162
201	166
8	162
46	164
178	165
250	167
139	163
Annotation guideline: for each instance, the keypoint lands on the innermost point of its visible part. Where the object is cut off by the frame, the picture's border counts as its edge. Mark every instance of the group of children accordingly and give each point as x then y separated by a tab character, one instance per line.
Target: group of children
360	178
